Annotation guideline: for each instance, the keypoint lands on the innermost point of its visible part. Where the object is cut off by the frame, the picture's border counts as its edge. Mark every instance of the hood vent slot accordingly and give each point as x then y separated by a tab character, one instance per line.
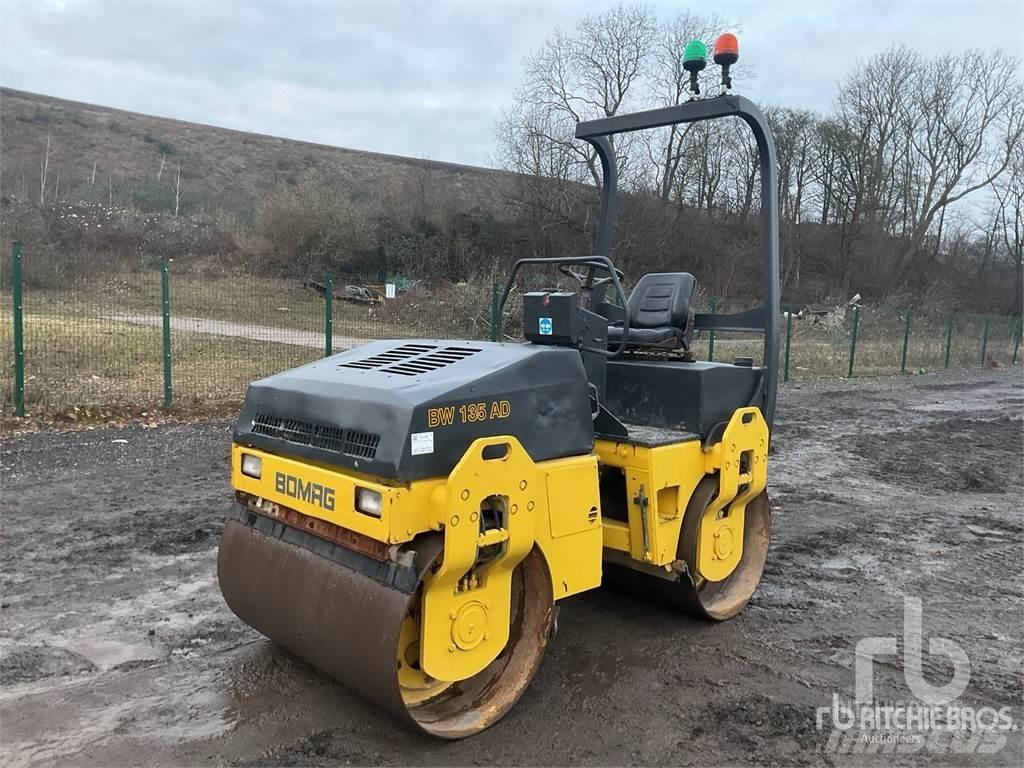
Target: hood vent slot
412	359
350	442
361	445
396	355
431	361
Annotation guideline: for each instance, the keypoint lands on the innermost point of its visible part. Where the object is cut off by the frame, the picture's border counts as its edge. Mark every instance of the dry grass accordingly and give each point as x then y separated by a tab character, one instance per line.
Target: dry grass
221	168
86	362
78	352
270	302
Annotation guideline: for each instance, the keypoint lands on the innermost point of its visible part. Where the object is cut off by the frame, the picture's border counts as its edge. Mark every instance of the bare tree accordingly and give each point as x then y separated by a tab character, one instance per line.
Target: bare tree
871	105
1009	215
968	124
177	190
794	140
840	170
44	171
745	168
544	193
163	160
589	73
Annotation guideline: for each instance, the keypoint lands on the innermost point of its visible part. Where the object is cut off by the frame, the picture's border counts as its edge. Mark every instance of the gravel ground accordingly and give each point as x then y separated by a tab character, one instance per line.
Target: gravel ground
116	649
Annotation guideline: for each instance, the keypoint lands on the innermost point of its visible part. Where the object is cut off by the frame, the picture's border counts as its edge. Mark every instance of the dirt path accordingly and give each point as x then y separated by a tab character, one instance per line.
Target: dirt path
116	648
252	331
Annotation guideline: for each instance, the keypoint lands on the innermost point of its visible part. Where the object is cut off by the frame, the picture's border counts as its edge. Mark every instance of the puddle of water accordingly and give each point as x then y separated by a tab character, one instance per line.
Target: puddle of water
105	653
155	710
984	399
61	744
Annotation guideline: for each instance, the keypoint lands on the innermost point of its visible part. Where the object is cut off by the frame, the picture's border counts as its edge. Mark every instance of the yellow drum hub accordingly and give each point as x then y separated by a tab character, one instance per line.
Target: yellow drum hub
723	542
720	543
469	626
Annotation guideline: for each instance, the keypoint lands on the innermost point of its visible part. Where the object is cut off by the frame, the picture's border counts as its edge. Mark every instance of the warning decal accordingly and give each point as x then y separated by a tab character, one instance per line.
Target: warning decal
422	443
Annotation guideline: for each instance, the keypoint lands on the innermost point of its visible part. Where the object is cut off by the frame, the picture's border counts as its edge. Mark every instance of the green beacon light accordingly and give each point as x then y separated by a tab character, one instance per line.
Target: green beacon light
695	58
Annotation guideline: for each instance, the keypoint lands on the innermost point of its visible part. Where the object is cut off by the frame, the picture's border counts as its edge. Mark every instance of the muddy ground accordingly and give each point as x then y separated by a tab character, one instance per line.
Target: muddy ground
116	649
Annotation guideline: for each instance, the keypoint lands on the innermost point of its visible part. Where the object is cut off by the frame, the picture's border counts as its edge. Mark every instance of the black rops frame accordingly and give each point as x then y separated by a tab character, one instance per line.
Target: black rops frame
764	319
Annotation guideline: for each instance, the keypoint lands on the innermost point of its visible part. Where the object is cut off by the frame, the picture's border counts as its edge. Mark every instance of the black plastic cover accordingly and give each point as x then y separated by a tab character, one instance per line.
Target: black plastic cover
408	409
551	317
675	394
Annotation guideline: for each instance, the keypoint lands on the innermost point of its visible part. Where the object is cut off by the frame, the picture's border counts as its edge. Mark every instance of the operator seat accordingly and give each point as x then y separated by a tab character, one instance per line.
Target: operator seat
659	312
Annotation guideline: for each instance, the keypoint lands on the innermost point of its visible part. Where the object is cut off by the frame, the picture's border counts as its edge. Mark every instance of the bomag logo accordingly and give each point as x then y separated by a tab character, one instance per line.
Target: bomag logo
311	493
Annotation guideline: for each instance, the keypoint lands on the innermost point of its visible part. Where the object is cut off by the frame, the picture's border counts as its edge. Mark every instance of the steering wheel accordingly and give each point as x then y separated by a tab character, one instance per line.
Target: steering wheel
568	271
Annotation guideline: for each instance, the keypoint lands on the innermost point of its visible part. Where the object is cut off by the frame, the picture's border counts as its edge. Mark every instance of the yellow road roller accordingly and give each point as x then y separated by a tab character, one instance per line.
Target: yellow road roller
410	512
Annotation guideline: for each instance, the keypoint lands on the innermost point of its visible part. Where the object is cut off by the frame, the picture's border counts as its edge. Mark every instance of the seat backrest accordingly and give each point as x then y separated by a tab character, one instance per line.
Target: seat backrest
661	299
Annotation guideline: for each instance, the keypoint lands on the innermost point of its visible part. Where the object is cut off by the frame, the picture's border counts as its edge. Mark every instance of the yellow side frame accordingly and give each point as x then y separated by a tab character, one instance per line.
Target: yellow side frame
741	460
661	479
659	483
554	504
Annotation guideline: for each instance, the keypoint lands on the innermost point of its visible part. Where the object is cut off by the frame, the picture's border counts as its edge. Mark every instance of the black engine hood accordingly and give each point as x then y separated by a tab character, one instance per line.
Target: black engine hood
408	409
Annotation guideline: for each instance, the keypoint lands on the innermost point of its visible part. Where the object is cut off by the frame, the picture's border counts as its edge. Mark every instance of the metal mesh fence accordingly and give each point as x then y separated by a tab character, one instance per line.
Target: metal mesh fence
105	340
81	348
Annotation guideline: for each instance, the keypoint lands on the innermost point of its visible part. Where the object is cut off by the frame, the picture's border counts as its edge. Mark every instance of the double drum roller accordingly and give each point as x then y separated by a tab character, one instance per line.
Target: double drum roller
409	512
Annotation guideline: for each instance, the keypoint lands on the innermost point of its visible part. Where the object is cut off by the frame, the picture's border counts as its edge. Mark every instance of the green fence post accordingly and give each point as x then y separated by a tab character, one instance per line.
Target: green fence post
19	338
984	340
711	334
853	341
329	314
165	310
789	336
949	337
495	318
1016	341
906	341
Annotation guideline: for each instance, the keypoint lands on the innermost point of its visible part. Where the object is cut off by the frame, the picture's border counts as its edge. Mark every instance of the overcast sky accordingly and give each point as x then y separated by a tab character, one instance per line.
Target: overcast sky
426	79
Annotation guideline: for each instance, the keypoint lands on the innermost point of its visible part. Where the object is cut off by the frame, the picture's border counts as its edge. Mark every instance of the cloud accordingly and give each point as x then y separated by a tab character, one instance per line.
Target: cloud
426	79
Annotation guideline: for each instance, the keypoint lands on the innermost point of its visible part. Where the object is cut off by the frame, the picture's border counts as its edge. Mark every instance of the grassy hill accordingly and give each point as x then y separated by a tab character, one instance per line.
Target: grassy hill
113	156
281	208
